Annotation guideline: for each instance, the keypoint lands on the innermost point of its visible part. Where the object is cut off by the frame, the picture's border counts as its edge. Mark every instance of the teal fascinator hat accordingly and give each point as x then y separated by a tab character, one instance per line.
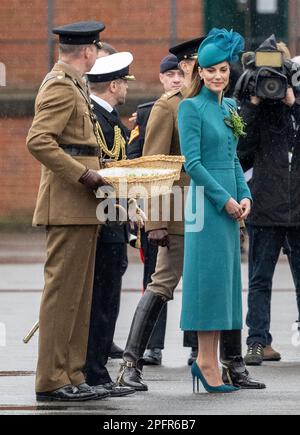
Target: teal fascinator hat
220	46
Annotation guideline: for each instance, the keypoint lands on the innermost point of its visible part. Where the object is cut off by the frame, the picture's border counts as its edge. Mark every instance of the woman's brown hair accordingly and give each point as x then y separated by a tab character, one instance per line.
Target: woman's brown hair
197	83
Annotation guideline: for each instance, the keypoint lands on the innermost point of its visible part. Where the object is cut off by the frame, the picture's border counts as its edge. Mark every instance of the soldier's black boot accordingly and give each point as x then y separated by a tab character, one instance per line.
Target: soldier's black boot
236	374
234	368
144	320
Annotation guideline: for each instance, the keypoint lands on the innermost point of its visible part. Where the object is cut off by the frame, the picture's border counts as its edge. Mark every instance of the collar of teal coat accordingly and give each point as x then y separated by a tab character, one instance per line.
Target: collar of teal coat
210	95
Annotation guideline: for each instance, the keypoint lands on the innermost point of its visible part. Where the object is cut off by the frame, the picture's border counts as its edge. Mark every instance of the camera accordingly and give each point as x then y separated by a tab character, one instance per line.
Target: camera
267	74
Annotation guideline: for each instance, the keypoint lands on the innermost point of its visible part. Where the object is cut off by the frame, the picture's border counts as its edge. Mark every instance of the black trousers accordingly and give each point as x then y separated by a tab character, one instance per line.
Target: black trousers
264	250
111	264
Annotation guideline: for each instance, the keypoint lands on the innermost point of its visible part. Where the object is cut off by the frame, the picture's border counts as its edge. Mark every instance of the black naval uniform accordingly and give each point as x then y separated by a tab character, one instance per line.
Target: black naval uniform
111	264
137	137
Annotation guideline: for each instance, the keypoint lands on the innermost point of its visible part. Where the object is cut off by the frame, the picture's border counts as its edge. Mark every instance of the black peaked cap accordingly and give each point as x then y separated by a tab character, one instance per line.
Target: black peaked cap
188	49
84	32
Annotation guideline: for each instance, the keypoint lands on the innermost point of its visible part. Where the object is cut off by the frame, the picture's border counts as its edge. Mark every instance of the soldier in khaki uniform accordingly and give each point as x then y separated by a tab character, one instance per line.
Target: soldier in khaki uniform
162	138
62	138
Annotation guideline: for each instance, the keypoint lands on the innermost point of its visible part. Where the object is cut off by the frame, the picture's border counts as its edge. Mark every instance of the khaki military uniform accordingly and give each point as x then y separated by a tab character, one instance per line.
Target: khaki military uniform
162	137
68	210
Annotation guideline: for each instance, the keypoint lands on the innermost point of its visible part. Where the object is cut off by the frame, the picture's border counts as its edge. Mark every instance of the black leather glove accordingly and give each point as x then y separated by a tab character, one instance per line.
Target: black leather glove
159	238
92	179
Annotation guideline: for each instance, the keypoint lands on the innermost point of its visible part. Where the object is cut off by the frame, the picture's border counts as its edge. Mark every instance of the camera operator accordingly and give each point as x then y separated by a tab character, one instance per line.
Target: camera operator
270	106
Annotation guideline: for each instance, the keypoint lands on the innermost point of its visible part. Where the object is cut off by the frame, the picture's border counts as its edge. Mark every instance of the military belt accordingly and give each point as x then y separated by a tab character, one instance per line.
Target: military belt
80	150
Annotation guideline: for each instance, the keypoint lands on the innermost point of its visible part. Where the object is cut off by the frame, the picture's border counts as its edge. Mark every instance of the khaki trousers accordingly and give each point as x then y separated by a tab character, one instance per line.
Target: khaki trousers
66	305
169	268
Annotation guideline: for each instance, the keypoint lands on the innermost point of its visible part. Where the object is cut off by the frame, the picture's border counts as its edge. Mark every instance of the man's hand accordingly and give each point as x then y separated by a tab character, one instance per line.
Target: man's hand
135	213
159	238
133	118
93	180
255	100
290	98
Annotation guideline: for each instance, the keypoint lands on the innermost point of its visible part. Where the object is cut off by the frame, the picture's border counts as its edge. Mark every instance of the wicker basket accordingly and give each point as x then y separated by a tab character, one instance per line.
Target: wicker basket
138	182
157	161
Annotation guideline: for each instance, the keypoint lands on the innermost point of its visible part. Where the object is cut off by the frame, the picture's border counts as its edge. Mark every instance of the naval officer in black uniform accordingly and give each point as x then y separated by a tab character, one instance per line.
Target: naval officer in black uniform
108	82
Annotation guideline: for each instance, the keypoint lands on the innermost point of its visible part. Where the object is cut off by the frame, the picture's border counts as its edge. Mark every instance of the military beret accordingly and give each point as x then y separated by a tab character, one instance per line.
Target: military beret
220	46
109	68
84	32
187	49
168	63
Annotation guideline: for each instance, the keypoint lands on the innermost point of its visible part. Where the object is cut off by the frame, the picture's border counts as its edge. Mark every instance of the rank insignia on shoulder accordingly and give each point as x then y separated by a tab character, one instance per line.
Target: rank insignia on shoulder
146	105
170	94
60	75
134	134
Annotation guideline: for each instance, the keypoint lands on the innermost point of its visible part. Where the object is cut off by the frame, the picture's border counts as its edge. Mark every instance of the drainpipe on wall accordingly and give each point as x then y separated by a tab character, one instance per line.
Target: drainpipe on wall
50	35
173	36
294	34
248	25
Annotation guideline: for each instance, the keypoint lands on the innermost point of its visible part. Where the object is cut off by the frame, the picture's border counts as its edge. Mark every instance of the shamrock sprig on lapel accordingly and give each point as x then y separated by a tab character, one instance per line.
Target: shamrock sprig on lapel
236	122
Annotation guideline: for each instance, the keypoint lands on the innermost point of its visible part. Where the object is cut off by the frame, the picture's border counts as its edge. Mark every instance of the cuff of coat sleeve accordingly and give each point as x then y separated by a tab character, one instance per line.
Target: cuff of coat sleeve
222	202
152	226
74	174
79	171
241	197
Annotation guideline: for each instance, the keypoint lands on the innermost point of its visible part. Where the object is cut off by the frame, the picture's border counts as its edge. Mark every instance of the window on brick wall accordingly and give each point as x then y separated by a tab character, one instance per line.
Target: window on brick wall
267	6
2	74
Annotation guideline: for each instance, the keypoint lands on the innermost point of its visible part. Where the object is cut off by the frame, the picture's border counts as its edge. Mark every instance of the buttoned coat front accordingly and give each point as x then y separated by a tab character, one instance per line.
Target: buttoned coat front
212	270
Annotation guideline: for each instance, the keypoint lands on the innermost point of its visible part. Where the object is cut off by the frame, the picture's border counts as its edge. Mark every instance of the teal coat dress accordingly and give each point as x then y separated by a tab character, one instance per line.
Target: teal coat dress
212	288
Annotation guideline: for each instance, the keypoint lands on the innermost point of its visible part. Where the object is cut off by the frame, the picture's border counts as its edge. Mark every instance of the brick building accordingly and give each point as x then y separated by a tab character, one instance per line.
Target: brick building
145	27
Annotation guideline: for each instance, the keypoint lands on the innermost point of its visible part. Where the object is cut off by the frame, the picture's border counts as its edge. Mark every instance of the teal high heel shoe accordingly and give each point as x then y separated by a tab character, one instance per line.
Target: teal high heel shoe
198	376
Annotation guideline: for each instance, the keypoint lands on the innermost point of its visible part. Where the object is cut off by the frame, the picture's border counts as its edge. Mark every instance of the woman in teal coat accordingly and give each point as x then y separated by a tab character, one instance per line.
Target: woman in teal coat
209	127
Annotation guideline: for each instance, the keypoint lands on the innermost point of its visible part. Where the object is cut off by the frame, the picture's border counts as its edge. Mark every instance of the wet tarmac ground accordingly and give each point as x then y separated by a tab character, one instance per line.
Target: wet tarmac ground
170	386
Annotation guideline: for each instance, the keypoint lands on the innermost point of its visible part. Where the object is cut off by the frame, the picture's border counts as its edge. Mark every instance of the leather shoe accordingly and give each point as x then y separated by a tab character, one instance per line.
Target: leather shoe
131	376
193	356
69	393
152	357
115	390
271	355
116	352
100	394
236	374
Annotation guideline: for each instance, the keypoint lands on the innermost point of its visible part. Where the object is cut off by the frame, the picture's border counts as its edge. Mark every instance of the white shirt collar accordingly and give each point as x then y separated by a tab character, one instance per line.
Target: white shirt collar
102	103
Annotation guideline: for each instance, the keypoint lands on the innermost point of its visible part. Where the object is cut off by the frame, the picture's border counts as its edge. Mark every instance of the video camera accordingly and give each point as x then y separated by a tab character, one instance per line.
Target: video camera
267	75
